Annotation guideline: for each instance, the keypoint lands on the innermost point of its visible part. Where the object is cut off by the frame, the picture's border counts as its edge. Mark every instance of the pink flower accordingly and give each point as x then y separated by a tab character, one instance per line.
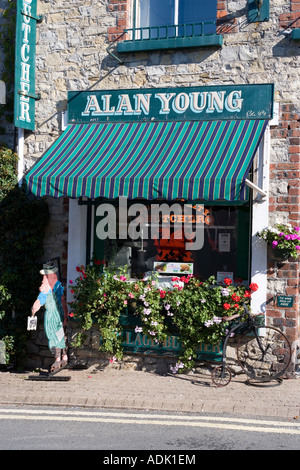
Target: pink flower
131	295
125	302
71	282
123	278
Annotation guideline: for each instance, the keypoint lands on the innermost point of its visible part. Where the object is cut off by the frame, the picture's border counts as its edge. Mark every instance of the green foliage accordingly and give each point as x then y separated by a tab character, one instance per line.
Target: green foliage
8	170
195	309
23	220
100	297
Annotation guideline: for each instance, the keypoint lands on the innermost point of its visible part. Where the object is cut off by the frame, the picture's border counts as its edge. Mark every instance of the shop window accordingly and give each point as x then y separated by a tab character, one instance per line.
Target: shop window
225	250
165	24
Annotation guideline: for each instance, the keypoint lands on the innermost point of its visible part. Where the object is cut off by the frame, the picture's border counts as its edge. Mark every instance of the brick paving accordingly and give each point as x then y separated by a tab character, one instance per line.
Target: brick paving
139	390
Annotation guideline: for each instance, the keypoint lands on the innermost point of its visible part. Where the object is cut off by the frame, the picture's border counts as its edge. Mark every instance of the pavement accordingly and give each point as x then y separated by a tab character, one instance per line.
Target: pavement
112	388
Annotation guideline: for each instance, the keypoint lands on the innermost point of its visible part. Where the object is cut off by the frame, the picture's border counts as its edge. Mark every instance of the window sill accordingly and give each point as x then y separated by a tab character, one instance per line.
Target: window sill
213	40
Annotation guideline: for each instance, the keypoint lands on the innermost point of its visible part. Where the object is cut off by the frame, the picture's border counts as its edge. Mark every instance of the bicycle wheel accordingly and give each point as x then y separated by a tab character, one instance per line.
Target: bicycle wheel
266	357
221	376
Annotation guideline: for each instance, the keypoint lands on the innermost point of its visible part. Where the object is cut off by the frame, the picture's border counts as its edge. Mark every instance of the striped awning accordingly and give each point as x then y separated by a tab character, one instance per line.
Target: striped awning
191	160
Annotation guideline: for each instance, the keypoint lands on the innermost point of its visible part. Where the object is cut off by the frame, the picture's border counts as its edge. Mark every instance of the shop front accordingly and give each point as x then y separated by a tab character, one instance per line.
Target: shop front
168	182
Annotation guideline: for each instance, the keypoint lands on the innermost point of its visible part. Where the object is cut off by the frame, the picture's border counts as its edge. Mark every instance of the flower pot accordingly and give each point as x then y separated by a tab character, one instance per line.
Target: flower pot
278	254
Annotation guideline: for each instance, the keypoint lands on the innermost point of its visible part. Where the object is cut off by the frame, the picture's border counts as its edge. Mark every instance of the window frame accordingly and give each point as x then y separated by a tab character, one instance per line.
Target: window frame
136	43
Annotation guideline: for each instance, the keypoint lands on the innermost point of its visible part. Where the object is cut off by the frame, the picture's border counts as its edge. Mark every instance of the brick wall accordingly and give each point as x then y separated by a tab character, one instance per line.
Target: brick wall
286	205
291	19
121	9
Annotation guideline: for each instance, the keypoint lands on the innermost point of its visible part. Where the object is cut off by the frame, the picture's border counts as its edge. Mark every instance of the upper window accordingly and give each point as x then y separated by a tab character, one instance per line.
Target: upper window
171	18
169	24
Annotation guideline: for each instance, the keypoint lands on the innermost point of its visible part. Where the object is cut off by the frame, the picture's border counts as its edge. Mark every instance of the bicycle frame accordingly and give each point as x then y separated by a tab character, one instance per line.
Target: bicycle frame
249	326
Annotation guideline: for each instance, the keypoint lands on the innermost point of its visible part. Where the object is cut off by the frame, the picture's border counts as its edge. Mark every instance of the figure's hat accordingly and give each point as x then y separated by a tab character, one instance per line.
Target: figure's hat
49	268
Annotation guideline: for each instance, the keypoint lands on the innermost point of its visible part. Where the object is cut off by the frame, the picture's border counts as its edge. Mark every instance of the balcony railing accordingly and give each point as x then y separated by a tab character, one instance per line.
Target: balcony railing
172	31
171	36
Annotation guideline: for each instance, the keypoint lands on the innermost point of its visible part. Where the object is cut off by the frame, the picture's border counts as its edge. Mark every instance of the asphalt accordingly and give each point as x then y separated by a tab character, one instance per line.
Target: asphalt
98	387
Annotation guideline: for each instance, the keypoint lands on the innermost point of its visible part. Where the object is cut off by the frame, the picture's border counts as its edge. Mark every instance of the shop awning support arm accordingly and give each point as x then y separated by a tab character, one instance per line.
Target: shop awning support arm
255	187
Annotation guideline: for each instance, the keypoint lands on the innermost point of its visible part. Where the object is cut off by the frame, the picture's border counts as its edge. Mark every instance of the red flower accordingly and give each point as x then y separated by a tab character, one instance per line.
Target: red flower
247	293
253	286
97	262
235	297
162	293
227	281
226	306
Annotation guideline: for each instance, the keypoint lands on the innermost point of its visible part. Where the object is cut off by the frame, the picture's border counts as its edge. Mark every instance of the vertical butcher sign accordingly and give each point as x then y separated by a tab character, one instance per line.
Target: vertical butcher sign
25	96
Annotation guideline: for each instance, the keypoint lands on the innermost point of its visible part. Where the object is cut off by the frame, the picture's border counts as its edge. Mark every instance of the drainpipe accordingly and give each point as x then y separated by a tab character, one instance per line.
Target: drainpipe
20	155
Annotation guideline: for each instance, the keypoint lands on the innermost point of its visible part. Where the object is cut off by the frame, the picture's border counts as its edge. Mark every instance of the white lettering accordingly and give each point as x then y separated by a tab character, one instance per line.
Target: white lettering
165	101
24	114
27	11
25	49
234	101
142	103
26	28
181	103
215	101
106	103
124	102
92	106
25	69
194	98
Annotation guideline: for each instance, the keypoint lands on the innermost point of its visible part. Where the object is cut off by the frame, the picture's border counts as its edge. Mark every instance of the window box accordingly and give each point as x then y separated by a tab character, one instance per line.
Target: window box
137	45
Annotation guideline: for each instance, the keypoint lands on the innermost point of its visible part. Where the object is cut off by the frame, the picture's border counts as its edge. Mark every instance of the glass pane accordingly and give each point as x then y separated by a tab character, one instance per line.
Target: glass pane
156	12
191	11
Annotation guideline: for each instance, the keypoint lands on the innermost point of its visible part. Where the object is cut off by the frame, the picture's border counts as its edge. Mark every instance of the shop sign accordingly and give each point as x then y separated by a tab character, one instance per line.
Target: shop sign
141	343
25	64
285	301
193	103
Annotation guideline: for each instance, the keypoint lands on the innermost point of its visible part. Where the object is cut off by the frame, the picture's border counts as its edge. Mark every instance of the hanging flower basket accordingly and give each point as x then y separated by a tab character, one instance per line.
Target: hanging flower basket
278	254
283	241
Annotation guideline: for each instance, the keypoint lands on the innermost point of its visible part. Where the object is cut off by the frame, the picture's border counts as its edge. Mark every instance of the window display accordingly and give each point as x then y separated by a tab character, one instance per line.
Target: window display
163	249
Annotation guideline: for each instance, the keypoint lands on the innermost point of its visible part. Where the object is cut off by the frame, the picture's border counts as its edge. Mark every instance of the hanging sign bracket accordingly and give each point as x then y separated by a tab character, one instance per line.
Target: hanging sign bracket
30	95
38	18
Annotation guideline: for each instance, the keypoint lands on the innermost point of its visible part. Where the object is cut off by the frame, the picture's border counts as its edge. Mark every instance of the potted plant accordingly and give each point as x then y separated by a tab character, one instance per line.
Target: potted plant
283	240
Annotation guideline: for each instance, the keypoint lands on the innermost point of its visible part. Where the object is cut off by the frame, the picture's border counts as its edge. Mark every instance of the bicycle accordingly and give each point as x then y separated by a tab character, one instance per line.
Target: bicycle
263	352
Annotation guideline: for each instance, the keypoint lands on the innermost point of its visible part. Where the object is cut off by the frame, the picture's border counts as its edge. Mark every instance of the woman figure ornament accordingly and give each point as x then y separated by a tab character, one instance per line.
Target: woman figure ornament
56	314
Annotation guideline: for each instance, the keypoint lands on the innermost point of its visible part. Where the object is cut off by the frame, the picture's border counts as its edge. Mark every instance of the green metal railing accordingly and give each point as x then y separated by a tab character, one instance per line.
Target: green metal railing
186	30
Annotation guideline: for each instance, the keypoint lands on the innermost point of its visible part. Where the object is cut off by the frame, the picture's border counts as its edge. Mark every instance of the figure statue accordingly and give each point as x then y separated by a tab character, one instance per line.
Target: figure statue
56	314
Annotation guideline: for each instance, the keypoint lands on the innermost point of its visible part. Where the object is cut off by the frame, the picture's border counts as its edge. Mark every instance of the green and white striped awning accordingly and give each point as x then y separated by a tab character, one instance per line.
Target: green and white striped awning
191	160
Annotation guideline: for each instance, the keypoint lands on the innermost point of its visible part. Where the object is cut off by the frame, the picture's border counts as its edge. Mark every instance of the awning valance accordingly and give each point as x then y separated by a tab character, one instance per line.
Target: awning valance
189	159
